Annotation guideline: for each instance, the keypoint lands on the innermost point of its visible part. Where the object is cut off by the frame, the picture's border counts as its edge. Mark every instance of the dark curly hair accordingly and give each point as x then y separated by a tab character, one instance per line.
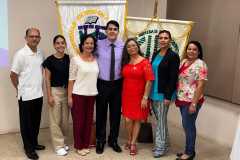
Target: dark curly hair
83	39
125	56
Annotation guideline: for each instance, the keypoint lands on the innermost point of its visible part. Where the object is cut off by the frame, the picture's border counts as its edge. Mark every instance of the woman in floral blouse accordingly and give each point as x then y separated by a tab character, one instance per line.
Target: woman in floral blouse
191	81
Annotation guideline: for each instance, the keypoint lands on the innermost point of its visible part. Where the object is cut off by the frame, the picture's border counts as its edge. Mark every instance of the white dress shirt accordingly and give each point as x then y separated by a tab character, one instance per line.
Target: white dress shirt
28	66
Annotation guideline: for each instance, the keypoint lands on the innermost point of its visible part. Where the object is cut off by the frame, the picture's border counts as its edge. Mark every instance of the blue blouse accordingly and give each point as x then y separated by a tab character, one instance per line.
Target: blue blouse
154	95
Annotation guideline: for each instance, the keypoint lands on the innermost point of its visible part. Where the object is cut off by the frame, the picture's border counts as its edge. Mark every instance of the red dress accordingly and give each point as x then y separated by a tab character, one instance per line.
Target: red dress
135	77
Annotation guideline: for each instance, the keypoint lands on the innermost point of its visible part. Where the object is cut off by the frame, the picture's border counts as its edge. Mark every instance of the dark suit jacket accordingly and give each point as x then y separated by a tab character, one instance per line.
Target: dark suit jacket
167	73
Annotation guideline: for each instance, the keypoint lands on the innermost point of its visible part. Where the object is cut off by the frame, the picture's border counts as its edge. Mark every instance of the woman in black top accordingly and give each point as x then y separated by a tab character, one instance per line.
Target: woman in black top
165	64
56	75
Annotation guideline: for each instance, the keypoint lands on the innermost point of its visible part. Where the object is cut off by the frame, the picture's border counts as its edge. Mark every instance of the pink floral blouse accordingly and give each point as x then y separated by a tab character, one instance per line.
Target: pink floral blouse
187	80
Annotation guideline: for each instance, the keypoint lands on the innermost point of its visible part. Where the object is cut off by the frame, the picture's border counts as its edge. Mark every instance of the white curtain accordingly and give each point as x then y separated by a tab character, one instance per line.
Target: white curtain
235	155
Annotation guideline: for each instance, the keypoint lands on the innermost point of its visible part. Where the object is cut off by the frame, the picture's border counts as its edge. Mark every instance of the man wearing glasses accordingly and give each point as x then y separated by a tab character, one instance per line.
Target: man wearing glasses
109	53
26	76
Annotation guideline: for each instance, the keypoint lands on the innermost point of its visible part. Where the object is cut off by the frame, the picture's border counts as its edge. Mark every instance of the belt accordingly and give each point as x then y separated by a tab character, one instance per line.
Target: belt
64	86
119	81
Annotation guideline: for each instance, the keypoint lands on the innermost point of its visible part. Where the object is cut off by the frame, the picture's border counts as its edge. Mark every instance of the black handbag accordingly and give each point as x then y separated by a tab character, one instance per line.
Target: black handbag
145	134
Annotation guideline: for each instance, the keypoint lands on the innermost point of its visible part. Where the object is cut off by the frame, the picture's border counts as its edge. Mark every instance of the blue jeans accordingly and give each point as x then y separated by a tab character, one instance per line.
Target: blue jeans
189	126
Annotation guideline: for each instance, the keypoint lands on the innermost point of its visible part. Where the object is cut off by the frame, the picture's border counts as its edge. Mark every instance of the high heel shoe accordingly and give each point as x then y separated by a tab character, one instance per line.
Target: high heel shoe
128	145
156	155
133	152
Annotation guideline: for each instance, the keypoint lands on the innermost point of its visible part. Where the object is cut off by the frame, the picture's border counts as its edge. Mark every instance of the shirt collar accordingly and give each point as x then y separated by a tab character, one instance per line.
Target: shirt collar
109	43
30	52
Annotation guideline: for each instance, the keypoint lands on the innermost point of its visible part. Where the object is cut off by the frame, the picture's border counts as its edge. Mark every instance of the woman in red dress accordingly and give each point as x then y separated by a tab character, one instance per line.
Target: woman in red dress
138	76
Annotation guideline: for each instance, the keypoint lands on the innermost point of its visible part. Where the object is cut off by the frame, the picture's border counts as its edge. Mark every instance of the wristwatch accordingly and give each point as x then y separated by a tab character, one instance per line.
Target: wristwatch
145	97
194	104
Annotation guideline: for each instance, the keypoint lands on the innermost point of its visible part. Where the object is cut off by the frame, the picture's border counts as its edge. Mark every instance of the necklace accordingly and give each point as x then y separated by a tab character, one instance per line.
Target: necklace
134	60
60	57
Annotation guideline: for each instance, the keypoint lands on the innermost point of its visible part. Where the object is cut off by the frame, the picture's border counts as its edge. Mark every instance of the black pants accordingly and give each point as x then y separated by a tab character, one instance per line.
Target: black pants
108	94
30	118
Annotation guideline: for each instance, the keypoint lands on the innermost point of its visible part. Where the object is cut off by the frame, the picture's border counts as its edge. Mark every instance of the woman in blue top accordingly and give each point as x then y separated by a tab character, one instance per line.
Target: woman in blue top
165	64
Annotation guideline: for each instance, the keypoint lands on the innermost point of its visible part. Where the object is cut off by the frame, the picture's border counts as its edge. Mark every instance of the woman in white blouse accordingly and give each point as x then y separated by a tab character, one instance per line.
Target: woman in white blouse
82	89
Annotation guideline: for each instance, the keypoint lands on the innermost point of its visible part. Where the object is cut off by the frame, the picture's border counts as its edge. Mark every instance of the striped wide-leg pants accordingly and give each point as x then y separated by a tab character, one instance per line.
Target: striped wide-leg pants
162	142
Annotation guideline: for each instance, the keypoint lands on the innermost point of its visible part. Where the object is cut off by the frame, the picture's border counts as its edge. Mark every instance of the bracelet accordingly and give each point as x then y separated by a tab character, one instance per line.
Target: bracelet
145	97
194	104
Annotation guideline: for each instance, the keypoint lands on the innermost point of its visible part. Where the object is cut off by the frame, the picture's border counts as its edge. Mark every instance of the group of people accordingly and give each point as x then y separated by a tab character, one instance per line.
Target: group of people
115	75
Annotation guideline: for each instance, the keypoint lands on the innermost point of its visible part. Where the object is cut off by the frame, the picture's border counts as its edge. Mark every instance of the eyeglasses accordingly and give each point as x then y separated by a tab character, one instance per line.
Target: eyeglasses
32	37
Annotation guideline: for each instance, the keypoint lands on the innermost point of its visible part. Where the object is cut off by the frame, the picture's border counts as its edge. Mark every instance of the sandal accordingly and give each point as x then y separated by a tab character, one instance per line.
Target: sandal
133	152
127	145
156	155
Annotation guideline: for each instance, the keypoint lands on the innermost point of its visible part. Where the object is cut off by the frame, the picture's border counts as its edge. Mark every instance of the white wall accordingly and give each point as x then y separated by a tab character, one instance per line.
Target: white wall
42	14
217	120
145	8
217	29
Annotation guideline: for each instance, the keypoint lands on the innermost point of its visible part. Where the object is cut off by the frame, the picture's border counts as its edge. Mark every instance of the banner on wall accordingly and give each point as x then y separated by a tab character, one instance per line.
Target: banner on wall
145	31
4	53
78	18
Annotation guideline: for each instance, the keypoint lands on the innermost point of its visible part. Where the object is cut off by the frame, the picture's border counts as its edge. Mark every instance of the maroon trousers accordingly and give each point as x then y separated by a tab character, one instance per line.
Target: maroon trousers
82	116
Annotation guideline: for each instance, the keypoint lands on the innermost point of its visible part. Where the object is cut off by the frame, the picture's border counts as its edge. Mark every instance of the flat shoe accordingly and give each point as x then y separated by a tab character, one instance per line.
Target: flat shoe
115	147
100	148
179	158
39	147
32	155
81	152
189	158
87	150
179	154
